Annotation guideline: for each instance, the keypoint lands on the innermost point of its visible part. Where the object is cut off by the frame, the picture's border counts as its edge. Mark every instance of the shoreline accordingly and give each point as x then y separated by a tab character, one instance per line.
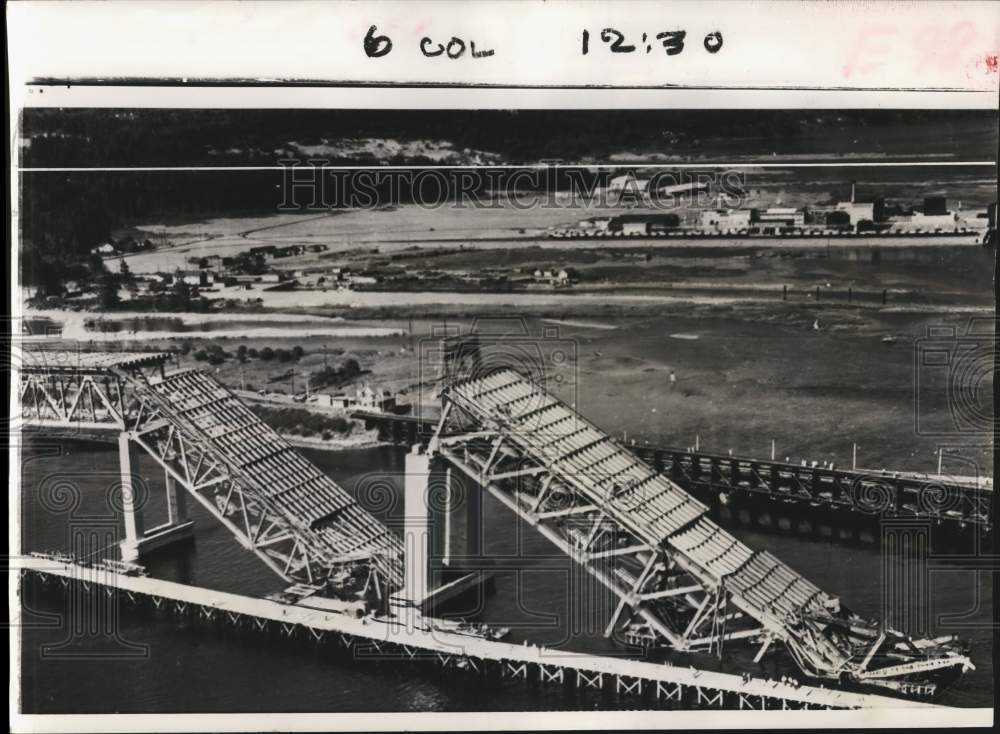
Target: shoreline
106	439
335	444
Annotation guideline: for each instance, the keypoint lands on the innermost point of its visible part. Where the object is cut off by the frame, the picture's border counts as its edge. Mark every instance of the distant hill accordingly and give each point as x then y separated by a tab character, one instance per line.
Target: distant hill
205	137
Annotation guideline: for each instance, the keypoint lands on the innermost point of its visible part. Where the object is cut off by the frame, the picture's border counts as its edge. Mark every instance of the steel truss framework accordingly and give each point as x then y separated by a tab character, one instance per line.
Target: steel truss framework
274	502
682	578
646	581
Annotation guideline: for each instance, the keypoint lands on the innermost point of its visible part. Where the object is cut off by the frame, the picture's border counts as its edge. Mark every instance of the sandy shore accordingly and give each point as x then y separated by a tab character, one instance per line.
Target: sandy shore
359	441
75	325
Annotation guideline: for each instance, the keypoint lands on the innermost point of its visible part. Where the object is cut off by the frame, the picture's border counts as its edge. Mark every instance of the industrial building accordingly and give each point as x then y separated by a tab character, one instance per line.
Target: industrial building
936	217
643	224
595	223
780	218
727	219
735	220
842	218
862	211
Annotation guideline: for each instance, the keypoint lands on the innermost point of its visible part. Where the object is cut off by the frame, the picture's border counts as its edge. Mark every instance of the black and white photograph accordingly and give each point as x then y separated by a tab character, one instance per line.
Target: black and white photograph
543	410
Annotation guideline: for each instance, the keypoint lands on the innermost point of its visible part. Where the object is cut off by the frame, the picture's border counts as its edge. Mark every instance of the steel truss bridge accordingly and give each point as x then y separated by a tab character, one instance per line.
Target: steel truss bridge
678	578
681	578
274	501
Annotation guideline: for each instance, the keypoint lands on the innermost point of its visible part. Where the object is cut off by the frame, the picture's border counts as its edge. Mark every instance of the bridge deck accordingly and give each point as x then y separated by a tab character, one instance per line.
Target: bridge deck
37	361
324	513
436	640
634	495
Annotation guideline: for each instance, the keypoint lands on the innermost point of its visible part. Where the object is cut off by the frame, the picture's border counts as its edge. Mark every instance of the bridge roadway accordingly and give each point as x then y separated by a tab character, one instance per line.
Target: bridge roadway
543	664
957	501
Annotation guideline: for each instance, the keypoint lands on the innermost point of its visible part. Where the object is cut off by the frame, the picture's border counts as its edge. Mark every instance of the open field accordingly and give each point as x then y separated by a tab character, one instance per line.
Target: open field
744	377
346	247
123	325
520	218
634	276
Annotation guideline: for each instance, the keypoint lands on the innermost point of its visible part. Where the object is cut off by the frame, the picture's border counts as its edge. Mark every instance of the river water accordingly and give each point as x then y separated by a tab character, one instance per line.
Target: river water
189	667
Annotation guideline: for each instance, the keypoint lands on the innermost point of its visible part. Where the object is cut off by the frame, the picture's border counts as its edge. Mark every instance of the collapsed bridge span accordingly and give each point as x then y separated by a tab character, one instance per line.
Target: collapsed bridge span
684	580
275	502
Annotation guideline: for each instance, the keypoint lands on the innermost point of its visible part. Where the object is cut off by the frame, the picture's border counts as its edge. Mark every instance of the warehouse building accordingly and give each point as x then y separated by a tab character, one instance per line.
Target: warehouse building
723	220
643	224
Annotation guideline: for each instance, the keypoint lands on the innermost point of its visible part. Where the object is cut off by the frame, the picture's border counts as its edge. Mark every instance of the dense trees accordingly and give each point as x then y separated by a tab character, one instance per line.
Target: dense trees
334	375
214	354
107	295
193	137
301	422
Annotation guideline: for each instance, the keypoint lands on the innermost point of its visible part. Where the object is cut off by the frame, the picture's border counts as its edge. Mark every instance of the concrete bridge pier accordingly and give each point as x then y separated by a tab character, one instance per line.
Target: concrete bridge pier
474	522
138	540
176	502
417	529
427	532
408	601
448	509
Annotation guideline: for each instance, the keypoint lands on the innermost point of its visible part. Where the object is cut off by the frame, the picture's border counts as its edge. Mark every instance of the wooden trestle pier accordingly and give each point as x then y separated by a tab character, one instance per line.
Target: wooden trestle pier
415	638
863	493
